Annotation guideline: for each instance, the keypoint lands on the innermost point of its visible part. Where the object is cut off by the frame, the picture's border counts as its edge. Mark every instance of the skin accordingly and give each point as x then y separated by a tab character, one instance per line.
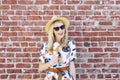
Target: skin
58	35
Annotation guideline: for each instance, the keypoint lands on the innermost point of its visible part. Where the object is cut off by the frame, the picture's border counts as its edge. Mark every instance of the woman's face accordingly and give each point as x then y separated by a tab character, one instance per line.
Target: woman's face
59	30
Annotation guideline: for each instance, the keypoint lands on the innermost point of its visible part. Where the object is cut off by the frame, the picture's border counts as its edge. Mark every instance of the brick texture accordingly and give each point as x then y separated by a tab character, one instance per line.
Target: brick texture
94	27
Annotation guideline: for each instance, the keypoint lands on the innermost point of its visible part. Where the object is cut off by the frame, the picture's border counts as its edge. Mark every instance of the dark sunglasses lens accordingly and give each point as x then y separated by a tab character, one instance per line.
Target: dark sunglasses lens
56	28
62	27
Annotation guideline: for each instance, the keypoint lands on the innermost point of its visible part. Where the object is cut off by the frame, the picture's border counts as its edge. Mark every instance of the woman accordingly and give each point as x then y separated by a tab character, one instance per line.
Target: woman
58	54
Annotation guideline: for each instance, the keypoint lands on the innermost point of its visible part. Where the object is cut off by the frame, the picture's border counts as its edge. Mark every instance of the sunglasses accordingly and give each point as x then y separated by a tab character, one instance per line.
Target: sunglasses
60	27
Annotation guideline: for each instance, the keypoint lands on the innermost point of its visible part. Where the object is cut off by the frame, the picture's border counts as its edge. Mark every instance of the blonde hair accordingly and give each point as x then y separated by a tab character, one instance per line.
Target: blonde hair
51	38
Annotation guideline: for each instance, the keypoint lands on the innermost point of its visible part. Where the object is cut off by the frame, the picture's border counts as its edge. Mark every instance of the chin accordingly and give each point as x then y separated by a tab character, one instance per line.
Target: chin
61	36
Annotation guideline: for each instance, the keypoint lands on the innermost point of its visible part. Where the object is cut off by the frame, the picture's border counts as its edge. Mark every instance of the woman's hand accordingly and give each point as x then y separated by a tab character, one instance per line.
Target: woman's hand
56	46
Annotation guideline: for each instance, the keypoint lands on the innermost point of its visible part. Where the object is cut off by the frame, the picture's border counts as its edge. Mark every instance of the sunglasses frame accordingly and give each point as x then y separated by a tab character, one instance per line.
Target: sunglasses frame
62	27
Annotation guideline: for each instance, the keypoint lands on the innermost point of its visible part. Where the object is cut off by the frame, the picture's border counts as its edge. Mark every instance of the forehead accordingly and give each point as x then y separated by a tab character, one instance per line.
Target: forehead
58	23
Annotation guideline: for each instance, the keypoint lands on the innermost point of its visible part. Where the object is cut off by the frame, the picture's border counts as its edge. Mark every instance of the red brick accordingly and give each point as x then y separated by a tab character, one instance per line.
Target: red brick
115	55
34	18
39	34
6	65
85	7
4	28
91	2
8	12
100	65
98	39
14	71
42	75
14	50
32	39
35	65
82	39
42	2
102	55
25	33
35	54
2	71
57	12
108	2
14	60
95	50
108	76
93	70
23	65
100	18
100	76
111	49
51	7
90	33
86	65
58	2
117	33
9	34
17	17
25	2
17	38
83	76
66	7
18	7
74	33
9	1
24	44
117	2
4	7
30	50
2	49
28	76
113	38
110	60
94	60
105	23
116	76
2	60
74	2
30	70
4	76
10	23
106	33
23	55
36	76
27	60
117	65
13	76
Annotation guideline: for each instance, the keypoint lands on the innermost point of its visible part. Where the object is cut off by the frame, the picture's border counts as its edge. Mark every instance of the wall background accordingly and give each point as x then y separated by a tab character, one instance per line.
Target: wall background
95	26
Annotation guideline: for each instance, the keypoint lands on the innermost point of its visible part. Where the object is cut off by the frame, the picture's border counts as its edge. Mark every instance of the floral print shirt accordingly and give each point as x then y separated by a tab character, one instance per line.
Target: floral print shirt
67	54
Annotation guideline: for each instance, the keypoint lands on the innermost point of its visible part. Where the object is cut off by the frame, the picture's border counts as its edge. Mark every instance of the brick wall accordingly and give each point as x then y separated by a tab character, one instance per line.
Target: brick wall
94	27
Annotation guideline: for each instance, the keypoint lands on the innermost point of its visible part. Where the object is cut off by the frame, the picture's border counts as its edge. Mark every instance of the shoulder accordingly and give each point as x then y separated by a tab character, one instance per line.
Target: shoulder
44	44
43	48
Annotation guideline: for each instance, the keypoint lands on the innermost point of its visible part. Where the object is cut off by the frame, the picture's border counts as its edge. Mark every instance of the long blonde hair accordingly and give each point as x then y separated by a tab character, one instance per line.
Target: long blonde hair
51	38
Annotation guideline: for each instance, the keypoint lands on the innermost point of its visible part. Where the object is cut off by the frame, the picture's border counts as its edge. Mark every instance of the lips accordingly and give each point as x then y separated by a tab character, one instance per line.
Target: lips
60	34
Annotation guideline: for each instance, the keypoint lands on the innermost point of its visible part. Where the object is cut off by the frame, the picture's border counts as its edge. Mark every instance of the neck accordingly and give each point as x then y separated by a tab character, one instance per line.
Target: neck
58	40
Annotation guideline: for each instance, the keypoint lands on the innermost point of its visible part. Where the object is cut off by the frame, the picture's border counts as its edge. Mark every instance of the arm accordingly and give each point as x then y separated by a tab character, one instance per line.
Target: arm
72	69
45	66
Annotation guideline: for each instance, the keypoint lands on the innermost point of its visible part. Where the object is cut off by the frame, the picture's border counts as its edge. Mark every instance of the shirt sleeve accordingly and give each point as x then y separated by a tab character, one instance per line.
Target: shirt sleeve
42	53
72	51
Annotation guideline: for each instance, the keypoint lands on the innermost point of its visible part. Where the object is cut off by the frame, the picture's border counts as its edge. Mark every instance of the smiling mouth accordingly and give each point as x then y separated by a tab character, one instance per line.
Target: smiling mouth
60	33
